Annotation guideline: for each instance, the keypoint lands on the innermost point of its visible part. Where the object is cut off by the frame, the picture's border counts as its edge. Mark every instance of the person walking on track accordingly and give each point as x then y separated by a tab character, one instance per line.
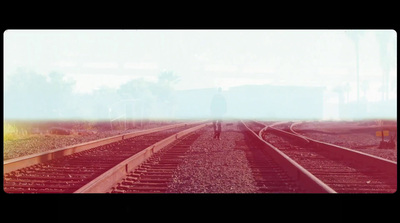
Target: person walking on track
218	109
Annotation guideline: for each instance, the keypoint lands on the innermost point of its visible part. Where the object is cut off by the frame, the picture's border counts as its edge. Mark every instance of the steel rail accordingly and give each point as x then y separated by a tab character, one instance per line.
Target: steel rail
299	138
388	166
307	180
277	123
108	179
29	160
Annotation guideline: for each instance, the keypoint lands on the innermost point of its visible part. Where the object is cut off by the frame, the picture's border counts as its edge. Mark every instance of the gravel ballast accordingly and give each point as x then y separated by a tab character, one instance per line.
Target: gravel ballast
350	135
214	166
365	143
37	143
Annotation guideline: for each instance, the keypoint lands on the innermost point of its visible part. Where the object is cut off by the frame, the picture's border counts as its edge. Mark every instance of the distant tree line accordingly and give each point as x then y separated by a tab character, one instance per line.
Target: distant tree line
31	96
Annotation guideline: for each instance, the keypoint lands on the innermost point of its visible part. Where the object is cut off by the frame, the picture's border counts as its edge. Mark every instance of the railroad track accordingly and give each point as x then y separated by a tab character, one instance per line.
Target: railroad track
280	162
70	169
268	173
254	126
302	176
156	174
142	164
341	169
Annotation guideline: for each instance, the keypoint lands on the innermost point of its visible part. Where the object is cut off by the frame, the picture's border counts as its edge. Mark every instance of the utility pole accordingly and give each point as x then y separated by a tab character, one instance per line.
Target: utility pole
358	72
355	36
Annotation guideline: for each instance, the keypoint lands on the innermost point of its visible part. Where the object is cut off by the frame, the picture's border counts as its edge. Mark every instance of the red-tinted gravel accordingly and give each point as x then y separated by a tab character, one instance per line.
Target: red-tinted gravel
342	176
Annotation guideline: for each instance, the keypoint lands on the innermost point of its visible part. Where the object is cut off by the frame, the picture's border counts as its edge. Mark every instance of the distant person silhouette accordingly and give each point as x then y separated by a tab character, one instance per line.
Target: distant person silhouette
218	109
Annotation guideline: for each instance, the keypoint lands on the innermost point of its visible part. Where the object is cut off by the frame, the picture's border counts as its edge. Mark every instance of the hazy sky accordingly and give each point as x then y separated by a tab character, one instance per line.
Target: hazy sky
210	58
202	58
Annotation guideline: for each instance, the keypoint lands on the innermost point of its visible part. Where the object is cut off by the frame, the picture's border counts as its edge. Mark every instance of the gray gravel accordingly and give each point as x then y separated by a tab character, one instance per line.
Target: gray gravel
214	166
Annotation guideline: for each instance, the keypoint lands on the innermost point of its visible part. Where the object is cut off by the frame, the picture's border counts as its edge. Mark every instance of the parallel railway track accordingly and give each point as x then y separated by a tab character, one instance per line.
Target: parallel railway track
155	175
280	161
342	169
68	173
268	173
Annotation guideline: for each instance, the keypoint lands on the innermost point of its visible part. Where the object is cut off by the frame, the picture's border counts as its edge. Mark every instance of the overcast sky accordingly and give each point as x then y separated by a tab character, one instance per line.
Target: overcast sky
210	58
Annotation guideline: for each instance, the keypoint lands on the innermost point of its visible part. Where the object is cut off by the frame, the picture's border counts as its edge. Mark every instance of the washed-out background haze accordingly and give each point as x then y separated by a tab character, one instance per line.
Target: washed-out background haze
173	74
